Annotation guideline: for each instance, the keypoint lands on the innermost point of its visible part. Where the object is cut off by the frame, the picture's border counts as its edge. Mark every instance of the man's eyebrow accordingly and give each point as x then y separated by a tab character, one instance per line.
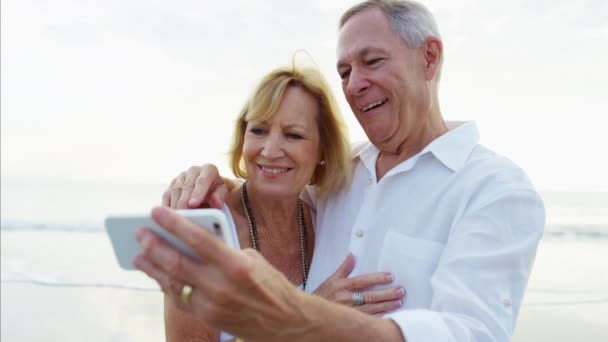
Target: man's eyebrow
361	53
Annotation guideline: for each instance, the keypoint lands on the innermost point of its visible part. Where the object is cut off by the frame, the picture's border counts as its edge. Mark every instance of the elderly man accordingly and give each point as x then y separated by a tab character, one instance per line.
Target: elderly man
456	225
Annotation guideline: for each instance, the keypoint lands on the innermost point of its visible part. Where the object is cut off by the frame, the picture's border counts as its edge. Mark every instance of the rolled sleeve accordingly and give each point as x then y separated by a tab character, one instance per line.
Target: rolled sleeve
421	325
481	276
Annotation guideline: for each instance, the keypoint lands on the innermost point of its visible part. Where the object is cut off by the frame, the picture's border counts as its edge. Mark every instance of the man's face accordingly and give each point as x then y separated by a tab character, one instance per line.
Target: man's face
383	80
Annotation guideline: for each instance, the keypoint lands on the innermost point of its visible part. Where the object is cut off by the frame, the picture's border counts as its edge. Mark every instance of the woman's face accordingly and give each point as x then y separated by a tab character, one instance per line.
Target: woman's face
281	154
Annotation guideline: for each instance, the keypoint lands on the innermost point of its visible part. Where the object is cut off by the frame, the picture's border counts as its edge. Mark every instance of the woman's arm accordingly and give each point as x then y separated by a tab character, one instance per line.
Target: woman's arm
182	326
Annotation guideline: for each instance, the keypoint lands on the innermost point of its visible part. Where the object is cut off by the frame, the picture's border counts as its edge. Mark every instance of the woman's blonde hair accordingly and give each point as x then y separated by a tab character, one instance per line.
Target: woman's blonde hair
335	173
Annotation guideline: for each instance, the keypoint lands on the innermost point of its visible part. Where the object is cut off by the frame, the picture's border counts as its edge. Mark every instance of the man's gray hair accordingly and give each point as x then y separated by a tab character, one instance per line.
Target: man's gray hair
411	20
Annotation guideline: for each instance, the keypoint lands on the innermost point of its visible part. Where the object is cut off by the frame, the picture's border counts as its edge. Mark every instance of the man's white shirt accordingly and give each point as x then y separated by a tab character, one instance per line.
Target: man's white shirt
457	226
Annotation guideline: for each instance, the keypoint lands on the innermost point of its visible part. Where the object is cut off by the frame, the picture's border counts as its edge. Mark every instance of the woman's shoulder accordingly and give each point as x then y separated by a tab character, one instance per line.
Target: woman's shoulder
231	210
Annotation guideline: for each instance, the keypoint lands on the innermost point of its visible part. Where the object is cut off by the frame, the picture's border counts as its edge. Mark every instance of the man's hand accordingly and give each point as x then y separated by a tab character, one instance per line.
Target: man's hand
338	288
198	187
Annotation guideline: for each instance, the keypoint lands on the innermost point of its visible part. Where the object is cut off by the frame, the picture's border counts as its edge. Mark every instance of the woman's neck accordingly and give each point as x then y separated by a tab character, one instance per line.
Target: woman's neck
278	214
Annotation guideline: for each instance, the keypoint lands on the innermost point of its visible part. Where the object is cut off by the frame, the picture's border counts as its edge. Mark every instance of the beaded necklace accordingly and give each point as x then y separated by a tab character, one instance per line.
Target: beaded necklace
253	232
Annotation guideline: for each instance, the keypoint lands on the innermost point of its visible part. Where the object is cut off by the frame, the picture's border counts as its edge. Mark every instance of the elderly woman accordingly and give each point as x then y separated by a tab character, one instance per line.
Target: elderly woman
288	135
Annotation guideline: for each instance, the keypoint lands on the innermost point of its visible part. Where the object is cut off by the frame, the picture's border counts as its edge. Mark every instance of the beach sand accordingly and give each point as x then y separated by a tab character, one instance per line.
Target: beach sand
66	286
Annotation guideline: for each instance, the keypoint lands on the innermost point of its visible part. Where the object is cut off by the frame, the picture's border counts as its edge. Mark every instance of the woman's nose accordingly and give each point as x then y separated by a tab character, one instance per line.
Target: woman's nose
273	147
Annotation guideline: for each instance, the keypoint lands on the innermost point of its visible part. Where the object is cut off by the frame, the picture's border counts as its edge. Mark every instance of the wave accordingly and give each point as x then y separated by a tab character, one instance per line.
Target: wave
576	231
61	227
589	231
15	276
566	297
80	284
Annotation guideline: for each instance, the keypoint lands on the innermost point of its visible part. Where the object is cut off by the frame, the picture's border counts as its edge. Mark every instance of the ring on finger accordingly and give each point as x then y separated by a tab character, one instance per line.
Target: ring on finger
358	298
186	294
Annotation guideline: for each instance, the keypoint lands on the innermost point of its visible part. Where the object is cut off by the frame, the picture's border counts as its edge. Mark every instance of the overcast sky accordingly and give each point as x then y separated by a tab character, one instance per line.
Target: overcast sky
136	91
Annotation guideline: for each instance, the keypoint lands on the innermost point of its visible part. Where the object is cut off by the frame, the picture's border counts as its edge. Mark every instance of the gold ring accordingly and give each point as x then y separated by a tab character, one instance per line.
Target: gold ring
186	294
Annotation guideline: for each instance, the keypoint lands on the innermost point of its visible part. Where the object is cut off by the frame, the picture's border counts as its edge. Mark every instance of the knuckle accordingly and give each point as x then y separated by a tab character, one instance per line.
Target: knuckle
173	181
178	181
242	271
165	288
148	244
343	298
365	309
200	180
198	239
182	203
174	287
173	267
176	192
166	196
221	296
209	168
357	283
214	314
193	170
180	264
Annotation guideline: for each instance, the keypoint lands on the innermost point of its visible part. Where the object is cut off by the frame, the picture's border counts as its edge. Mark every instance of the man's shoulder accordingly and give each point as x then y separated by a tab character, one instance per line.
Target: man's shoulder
492	171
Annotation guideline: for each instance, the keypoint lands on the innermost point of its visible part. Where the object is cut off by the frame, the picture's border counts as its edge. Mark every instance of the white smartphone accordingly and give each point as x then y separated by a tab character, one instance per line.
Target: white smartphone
121	230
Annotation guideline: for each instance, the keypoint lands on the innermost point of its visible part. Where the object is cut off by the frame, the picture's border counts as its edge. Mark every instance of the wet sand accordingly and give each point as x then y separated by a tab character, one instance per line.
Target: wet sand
66	286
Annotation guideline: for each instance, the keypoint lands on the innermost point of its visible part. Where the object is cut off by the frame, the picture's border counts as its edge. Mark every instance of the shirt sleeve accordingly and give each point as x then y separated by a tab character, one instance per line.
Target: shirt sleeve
481	276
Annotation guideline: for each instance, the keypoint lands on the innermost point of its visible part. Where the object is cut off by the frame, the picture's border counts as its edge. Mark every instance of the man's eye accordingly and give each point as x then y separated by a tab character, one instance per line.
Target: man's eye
344	74
373	61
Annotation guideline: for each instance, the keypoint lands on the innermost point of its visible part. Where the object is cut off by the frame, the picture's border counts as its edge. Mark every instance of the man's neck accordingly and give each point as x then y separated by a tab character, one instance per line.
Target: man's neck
412	145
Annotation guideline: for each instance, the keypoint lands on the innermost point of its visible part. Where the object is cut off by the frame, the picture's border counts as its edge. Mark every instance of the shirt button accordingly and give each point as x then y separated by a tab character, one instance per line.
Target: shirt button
359	233
369	180
506	302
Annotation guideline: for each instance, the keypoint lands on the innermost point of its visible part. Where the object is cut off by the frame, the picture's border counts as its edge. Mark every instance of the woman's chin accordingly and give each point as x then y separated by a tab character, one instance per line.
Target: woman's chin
276	190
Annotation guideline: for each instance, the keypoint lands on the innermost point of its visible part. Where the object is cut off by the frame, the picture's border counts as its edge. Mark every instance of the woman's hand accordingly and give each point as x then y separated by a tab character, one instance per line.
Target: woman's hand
340	289
237	291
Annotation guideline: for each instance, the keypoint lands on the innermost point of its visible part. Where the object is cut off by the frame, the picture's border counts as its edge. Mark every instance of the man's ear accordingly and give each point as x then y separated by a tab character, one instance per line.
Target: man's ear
432	49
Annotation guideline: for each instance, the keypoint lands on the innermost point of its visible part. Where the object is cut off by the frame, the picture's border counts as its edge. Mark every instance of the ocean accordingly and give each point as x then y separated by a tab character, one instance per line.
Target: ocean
82	206
58	269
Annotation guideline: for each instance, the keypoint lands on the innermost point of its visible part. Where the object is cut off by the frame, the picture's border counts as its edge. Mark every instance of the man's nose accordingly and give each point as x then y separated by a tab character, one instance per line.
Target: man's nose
357	83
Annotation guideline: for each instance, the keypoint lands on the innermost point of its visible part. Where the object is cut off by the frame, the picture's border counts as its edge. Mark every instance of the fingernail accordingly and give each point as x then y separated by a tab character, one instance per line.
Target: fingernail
193	200
400	303
401	291
390	277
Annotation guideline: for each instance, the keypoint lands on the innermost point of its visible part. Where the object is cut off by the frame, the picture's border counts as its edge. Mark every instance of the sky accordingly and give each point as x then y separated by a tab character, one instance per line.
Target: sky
137	91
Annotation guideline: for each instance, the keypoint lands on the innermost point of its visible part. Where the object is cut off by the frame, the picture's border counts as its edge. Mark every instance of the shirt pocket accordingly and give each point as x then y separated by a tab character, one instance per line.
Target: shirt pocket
412	262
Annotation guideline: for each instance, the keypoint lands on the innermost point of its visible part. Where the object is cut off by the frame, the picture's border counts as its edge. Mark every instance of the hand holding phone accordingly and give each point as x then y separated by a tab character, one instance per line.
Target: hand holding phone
121	230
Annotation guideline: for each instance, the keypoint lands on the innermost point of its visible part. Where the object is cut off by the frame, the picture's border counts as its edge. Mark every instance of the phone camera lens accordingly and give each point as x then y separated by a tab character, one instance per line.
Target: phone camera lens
217	230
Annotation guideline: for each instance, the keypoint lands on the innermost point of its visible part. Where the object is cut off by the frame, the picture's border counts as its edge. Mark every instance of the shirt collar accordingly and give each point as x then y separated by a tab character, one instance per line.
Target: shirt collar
455	146
452	149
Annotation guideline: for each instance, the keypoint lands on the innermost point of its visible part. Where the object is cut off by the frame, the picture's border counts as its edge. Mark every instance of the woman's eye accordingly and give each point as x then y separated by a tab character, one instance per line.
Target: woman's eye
257	131
293	136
